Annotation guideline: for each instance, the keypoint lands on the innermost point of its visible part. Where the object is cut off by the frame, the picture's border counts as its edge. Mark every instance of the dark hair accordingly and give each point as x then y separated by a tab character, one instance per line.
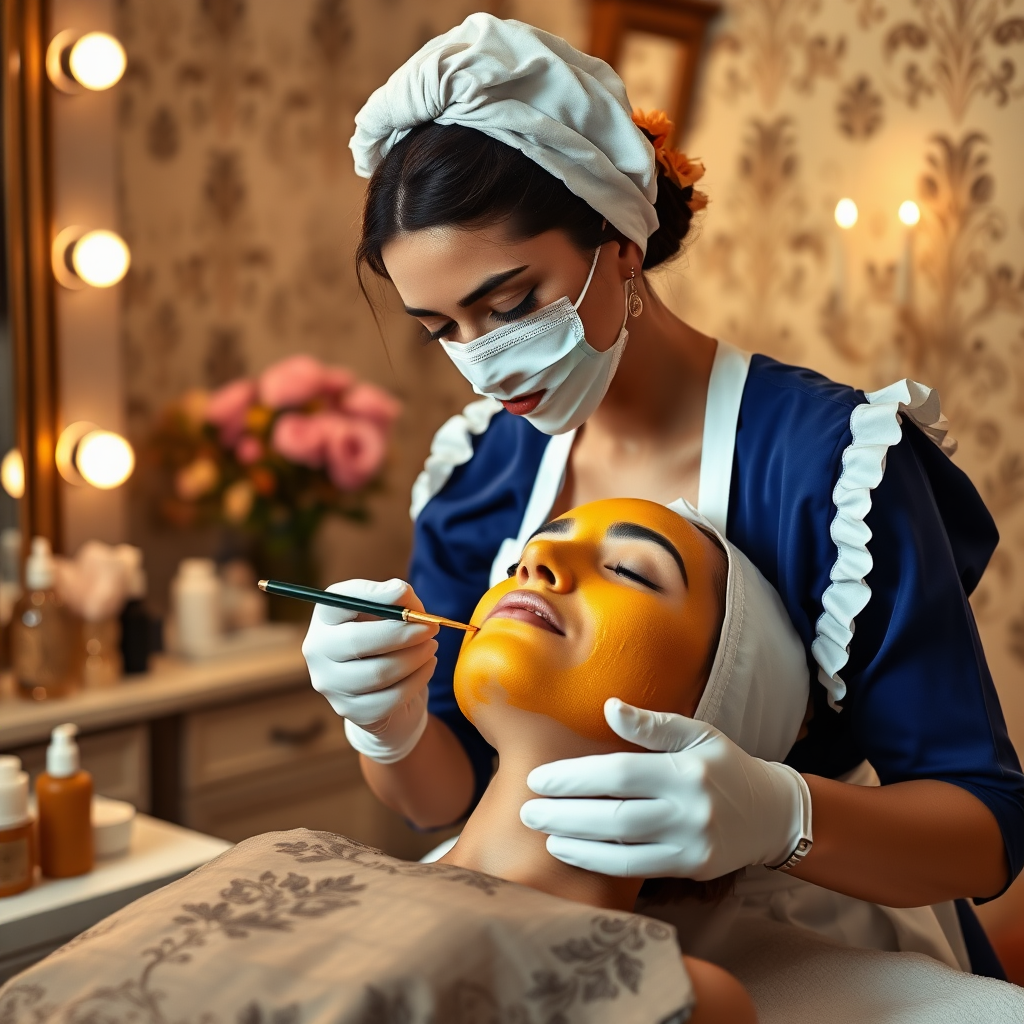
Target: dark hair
454	175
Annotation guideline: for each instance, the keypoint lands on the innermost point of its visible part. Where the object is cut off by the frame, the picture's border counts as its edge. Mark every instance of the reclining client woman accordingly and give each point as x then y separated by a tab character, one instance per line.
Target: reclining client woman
616	603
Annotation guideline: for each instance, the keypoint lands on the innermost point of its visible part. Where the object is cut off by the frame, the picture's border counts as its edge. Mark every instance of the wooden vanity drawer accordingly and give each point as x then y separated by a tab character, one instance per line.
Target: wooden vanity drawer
118	761
274	732
326	793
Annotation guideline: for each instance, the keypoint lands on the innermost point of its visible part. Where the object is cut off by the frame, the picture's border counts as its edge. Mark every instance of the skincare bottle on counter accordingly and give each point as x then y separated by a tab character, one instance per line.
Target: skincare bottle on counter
64	801
44	635
196	596
136	625
17	848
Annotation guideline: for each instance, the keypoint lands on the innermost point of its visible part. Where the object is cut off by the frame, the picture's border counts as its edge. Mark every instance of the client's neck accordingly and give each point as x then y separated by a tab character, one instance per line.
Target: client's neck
496	842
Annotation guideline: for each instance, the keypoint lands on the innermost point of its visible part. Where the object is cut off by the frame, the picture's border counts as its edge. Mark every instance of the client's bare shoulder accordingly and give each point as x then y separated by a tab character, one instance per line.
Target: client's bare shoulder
720	997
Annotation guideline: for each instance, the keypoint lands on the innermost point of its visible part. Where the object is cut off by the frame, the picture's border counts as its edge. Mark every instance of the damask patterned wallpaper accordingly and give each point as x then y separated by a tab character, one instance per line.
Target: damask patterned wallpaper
241	209
803	102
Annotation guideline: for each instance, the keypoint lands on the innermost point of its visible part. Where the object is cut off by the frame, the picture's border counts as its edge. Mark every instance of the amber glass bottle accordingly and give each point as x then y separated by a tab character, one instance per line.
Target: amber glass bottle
64	800
17	849
44	636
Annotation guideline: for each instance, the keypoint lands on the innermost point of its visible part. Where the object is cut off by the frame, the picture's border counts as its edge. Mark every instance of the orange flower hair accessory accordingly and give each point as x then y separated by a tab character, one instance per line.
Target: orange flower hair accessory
677	167
656	123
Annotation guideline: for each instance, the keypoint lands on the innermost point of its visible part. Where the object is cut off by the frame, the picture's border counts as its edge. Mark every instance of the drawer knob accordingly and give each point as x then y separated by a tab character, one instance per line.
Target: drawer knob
298	737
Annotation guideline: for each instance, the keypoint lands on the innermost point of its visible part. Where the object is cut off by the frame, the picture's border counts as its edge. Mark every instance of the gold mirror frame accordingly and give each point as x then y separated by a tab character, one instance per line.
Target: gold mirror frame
685	22
27	198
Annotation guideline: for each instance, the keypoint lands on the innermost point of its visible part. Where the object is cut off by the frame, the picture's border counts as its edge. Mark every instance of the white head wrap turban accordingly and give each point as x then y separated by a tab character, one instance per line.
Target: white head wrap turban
760	681
566	111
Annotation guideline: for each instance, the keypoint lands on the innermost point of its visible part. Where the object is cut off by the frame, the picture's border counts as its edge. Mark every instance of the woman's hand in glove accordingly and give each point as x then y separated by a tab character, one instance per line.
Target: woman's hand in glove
697	806
374	672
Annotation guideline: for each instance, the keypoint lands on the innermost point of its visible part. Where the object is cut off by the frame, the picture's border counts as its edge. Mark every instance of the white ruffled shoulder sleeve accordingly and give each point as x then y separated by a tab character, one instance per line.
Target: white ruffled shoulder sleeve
452	446
874	427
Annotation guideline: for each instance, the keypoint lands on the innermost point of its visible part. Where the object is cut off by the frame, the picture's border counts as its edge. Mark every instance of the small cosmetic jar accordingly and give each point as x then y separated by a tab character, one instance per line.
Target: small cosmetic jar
111	826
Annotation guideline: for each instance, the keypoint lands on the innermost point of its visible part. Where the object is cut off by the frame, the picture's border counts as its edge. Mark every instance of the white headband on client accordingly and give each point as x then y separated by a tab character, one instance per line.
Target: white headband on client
760	681
566	111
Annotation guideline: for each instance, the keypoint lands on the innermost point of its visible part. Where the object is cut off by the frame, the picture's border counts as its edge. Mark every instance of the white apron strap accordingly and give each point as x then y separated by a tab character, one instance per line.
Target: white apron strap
721	416
550	477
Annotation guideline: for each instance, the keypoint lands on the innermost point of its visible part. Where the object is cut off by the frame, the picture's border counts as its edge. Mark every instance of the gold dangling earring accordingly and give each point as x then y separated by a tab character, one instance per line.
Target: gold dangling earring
634	303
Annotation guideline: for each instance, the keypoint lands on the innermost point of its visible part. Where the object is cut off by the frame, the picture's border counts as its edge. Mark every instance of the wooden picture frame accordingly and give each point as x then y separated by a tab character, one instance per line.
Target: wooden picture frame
27	207
656	46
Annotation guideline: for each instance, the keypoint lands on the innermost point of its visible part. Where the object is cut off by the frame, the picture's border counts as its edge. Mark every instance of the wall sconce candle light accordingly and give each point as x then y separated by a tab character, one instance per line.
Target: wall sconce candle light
846	216
99	258
909	214
12	474
90	455
95	61
846	213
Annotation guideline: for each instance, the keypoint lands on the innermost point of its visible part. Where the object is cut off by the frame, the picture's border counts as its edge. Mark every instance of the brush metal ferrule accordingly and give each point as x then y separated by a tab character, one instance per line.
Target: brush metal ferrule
409	615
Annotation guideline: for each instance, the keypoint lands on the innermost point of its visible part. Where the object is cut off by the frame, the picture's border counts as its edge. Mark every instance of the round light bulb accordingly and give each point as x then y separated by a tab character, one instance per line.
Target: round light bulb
100	258
97	61
12	474
846	213
909	213
104	459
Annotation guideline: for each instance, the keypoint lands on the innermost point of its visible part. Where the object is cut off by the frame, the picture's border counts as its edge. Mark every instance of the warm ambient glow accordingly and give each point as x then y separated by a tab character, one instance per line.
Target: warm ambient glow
88	454
910	213
12	474
100	258
97	61
846	213
93	61
104	459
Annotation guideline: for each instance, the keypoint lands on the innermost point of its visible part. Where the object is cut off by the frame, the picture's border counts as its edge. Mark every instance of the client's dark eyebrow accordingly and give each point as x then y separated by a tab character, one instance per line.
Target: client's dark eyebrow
634	531
556	528
476	295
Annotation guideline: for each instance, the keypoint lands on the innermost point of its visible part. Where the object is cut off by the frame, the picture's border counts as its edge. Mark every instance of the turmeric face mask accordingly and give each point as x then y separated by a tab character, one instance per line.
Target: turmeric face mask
618	598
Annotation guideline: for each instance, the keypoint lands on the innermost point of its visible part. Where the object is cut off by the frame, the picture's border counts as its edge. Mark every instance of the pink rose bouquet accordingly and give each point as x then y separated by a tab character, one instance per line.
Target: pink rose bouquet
271	456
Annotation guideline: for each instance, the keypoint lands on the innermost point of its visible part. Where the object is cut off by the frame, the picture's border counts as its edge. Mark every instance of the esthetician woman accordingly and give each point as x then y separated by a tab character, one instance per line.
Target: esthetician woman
516	206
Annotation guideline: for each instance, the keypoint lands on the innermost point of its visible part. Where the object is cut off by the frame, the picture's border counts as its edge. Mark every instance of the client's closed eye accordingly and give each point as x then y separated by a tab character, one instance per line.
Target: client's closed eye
631	574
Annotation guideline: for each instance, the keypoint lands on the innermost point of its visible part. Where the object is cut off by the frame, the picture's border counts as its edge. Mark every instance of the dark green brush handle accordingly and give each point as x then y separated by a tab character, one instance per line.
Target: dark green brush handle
354	604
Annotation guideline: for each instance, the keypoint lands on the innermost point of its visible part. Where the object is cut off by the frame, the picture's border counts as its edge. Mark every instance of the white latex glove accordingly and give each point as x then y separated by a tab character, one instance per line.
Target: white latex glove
374	672
699	808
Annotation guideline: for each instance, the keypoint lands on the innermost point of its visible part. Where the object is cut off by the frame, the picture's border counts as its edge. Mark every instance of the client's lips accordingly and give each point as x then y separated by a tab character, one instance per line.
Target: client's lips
524	403
528	606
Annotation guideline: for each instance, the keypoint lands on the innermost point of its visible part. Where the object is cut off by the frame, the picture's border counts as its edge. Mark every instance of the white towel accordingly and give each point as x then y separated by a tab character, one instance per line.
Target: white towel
797	977
565	110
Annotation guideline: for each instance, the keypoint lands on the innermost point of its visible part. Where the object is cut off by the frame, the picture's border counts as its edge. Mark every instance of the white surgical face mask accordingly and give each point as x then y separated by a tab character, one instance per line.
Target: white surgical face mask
545	351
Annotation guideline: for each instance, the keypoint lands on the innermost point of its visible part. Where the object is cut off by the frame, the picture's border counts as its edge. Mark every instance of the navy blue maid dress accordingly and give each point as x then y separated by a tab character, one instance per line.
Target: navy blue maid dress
851	508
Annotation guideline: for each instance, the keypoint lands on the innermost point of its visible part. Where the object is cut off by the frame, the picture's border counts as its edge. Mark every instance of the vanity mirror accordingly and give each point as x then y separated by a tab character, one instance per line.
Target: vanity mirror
60	403
28	398
12	473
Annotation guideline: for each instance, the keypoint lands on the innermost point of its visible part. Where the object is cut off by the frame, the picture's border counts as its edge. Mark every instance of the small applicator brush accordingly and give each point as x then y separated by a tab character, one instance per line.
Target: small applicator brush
356	604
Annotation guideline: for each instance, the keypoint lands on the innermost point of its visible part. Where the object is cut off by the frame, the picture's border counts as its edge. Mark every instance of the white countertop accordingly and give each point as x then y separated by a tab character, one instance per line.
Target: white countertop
170	688
159	850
